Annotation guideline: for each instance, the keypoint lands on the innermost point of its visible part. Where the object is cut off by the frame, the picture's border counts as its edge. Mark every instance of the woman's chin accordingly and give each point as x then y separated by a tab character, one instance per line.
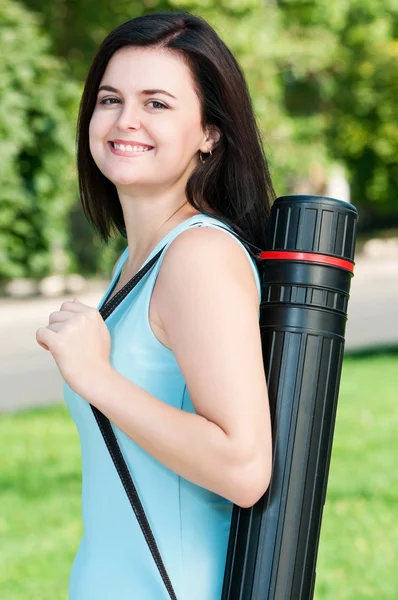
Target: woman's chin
123	180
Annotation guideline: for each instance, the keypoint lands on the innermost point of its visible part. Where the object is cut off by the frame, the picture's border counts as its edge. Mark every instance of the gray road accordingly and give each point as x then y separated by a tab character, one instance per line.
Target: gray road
29	376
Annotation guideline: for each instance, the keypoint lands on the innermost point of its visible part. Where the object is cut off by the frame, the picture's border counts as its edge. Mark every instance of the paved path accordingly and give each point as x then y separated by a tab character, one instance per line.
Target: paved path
29	376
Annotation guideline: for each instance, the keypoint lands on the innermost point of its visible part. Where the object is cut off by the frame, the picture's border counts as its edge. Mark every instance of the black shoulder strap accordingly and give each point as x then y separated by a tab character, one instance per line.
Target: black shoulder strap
114	449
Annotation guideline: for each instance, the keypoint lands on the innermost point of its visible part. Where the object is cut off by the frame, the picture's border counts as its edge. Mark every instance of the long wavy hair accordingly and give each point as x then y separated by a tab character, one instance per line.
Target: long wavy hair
234	183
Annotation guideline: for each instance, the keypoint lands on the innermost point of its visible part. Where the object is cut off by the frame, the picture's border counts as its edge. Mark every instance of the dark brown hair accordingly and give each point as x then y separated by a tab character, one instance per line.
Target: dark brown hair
234	182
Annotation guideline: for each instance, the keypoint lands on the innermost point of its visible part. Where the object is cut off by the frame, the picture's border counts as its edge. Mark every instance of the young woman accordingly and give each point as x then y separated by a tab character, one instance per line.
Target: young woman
169	154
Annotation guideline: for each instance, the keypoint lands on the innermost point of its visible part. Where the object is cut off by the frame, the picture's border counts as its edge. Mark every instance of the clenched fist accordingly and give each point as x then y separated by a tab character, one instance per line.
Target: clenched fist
79	341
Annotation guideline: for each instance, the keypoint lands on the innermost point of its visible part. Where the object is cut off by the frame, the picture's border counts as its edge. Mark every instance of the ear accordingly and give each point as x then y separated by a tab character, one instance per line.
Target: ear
211	139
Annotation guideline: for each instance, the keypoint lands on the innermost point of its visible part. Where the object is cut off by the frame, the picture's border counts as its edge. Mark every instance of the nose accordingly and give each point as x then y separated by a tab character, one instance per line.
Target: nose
129	118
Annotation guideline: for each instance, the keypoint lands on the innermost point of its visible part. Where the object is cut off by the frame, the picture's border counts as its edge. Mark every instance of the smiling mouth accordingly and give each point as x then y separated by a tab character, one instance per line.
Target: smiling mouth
130	149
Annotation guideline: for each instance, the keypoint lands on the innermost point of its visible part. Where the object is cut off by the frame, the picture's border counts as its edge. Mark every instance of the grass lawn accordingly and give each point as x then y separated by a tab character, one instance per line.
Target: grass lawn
40	484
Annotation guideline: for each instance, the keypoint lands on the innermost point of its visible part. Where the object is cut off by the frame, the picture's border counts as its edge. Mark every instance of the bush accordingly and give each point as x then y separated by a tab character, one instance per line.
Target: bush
38	103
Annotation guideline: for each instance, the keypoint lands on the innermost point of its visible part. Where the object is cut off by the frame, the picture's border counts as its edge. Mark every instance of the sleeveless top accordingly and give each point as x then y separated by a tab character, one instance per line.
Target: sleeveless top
190	523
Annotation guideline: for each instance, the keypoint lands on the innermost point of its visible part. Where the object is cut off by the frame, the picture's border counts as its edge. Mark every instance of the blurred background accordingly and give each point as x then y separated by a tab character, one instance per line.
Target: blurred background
324	82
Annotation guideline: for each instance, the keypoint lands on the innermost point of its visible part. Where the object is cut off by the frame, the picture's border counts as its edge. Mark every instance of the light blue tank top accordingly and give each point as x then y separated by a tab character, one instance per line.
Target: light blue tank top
190	523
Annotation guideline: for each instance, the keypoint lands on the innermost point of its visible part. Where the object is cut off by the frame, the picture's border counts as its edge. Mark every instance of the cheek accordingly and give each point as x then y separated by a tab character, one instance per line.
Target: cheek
188	143
94	130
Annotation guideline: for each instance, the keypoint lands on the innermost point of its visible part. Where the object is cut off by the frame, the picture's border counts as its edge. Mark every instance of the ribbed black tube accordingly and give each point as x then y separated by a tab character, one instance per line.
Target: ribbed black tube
273	545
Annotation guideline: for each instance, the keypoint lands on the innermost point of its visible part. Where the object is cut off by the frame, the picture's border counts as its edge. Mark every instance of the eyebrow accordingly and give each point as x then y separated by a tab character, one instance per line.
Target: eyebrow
109	88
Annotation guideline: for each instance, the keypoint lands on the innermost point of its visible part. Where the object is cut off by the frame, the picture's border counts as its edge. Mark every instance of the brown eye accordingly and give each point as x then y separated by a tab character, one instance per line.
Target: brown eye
159	103
105	100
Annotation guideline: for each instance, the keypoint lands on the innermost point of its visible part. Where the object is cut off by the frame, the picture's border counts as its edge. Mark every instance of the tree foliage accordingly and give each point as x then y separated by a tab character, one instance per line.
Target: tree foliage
354	88
38	101
322	76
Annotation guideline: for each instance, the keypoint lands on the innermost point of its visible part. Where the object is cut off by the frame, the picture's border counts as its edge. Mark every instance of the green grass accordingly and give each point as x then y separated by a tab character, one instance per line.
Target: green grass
40	484
359	536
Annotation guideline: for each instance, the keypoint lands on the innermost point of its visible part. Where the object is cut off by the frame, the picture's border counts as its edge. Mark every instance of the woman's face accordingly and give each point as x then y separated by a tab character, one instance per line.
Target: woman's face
135	110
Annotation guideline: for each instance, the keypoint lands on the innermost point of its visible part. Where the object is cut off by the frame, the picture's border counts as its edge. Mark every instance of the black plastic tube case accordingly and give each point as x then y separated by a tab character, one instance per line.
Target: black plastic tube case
307	270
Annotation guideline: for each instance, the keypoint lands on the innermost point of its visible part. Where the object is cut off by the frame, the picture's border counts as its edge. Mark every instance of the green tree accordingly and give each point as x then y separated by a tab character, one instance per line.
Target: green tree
353	90
322	76
252	33
38	102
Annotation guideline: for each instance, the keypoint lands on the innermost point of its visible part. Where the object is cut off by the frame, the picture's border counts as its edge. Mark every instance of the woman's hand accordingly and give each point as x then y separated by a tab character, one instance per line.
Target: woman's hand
79	342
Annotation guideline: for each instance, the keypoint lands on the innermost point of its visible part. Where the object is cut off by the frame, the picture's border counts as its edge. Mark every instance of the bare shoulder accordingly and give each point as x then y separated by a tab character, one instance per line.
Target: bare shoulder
205	253
201	249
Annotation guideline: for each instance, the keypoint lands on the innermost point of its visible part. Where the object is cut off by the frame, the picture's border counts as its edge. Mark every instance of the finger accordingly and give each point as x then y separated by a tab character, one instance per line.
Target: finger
78	306
59	316
72	306
46	338
55	326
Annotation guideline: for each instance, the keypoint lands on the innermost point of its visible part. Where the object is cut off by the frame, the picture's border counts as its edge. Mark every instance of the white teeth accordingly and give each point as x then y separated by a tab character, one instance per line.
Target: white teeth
129	148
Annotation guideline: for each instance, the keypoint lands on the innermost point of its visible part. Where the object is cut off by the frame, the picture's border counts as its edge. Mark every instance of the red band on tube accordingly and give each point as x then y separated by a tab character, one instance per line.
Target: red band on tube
323	259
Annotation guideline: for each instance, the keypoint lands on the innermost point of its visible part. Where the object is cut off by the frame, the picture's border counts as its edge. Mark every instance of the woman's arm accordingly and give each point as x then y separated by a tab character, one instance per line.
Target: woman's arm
209	310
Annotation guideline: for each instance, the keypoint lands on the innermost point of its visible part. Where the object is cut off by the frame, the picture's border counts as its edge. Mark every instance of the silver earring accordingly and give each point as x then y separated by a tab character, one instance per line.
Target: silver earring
201	156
